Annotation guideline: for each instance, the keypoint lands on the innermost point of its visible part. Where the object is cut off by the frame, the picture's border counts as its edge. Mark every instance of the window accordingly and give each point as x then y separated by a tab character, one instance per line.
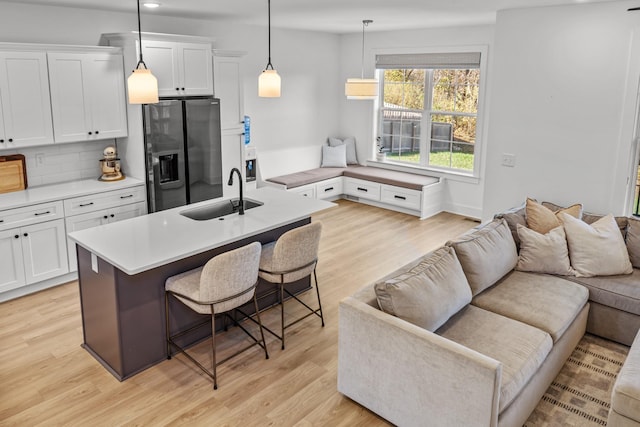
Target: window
429	110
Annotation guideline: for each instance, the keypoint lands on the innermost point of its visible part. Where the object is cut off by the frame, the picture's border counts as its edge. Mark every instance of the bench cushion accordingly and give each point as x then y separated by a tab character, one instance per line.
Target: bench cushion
621	292
310	176
547	302
519	347
390	177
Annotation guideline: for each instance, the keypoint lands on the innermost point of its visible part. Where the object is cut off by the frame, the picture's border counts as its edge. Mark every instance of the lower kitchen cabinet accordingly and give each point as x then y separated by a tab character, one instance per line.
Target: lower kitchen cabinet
33	253
101	217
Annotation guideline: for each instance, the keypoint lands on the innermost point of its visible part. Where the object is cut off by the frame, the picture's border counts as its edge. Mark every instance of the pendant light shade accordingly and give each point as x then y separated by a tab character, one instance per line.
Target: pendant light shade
269	84
142	86
361	88
269	80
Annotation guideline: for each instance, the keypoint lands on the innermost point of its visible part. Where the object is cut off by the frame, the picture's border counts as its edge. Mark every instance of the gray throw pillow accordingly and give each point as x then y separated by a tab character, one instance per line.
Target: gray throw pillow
350	143
430	296
633	241
334	157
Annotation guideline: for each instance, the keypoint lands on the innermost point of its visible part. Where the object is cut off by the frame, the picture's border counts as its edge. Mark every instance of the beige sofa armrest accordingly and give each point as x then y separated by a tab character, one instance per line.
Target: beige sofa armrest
411	376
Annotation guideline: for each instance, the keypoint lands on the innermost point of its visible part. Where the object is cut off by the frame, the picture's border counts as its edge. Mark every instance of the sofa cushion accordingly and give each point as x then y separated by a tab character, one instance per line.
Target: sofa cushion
597	249
621	291
633	241
544	253
625	397
486	254
310	176
429	295
390	177
543	219
547	302
519	347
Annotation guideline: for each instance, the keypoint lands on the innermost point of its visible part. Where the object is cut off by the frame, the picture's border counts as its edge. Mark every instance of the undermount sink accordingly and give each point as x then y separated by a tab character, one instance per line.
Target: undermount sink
220	209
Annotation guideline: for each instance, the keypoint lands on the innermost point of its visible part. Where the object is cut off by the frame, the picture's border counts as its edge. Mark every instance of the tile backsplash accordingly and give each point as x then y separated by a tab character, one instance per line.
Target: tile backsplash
50	164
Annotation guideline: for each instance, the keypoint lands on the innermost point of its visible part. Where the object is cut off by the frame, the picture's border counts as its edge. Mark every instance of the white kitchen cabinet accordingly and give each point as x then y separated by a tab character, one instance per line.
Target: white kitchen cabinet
91	211
24	100
87	96
227	77
182	69
35	252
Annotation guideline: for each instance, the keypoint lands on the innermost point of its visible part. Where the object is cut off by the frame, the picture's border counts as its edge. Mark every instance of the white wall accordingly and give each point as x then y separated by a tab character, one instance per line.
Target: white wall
563	101
287	131
462	195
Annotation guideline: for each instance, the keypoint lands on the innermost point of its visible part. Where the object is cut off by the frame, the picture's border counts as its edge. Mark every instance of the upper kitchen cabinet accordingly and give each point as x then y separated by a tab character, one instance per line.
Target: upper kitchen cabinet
227	74
25	108
182	69
87	95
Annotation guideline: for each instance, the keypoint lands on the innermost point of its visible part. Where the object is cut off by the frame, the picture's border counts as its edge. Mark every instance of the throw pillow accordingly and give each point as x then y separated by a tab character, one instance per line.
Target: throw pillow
544	253
597	249
543	219
514	216
334	157
486	254
428	298
352	158
590	218
633	241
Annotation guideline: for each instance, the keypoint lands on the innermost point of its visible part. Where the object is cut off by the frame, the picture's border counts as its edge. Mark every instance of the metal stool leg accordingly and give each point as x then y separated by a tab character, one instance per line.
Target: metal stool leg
282	313
318	293
167	331
264	343
213	348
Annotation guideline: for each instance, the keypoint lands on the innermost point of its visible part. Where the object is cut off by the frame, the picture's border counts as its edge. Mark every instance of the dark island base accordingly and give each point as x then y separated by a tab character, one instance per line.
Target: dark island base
123	316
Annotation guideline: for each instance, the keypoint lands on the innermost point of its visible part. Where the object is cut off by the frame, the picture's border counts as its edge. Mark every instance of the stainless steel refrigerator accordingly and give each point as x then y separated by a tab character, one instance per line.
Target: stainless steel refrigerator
183	151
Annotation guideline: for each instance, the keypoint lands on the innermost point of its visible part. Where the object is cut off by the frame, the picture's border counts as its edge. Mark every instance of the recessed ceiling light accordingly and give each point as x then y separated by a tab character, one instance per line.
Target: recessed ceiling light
151	4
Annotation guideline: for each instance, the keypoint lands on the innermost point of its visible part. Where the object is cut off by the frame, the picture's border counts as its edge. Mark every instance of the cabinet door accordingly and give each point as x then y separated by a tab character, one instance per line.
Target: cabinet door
105	83
228	87
128	211
11	265
196	69
82	222
69	95
26	105
44	249
162	60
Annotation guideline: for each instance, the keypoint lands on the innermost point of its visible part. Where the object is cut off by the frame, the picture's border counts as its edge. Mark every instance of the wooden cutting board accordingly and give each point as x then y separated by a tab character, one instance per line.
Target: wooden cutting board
13	173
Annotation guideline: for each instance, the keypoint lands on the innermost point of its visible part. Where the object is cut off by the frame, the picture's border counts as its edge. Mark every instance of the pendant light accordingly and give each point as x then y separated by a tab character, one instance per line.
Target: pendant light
269	80
362	88
142	85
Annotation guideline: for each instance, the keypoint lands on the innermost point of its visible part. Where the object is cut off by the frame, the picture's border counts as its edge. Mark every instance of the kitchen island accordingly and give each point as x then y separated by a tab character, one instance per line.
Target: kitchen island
122	268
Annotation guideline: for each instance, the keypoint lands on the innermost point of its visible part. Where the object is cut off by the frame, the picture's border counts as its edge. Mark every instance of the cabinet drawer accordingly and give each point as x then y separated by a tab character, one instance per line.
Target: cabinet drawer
329	188
109	199
305	190
33	214
360	188
399	196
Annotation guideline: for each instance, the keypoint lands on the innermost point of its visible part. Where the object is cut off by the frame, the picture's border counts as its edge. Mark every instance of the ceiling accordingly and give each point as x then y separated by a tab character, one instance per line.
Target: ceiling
332	16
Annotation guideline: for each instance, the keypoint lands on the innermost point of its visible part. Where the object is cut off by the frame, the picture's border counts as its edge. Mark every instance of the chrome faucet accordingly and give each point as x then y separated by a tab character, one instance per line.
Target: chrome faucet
241	201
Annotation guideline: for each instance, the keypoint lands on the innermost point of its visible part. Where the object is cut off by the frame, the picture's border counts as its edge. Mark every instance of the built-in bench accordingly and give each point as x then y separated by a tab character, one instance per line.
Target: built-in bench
406	192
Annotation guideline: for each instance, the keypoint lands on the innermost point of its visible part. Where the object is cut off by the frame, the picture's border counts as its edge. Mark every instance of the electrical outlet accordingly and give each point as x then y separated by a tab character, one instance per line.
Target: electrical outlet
508	160
40	159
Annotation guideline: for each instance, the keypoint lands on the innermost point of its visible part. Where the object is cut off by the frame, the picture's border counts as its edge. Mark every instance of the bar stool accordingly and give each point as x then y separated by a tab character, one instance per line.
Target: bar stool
292	257
223	284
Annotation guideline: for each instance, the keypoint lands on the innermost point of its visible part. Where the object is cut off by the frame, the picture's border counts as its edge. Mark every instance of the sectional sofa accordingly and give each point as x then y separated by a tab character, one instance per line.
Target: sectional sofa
463	336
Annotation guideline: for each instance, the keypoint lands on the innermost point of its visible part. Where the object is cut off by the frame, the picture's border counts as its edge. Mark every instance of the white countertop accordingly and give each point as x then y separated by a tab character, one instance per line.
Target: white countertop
64	190
145	242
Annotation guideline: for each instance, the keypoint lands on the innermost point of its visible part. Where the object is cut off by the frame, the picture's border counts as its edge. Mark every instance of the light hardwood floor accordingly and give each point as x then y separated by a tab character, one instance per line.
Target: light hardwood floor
46	378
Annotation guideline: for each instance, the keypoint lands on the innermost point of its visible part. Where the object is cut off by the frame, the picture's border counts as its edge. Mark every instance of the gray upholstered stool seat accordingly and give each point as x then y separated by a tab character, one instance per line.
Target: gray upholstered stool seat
224	283
290	258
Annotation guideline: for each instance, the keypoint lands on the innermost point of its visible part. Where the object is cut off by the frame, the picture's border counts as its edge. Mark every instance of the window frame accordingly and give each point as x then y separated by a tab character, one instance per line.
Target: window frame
426	118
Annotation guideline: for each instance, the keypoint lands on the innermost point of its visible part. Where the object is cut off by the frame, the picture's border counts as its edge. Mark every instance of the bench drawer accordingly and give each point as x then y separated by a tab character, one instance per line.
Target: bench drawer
399	196
360	188
329	188
305	191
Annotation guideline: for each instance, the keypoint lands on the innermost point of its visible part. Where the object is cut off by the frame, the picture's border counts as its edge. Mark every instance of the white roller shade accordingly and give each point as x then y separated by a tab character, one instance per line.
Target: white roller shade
449	60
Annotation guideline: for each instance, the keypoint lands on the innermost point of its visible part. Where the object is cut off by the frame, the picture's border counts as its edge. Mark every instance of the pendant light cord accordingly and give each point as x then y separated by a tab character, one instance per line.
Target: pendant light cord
365	23
269	38
140	40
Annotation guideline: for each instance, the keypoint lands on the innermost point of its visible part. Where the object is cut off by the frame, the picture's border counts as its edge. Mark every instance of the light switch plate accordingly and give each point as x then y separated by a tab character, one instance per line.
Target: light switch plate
508	160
